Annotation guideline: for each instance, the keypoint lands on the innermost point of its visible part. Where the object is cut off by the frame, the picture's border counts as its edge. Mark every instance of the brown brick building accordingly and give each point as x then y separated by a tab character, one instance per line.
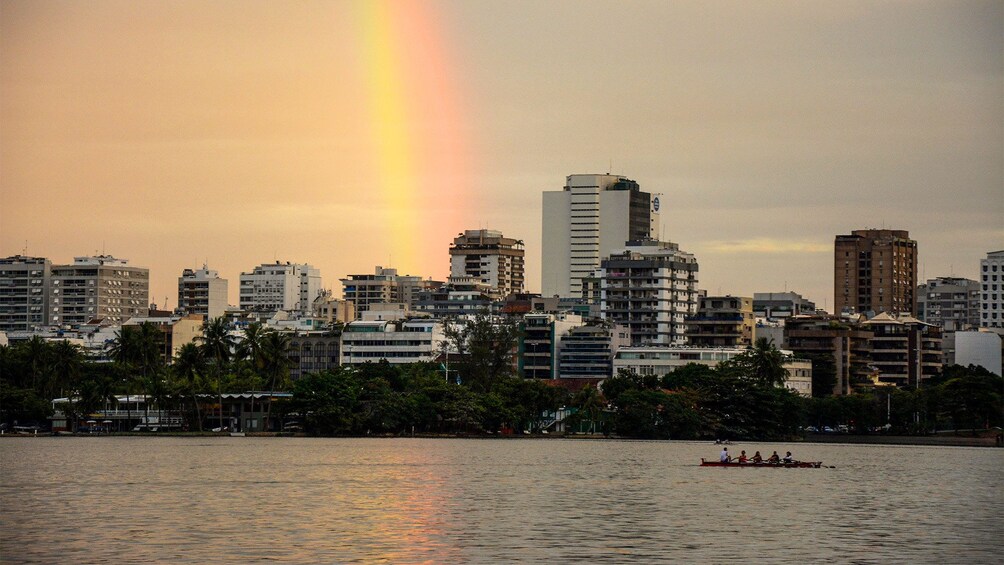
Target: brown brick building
875	271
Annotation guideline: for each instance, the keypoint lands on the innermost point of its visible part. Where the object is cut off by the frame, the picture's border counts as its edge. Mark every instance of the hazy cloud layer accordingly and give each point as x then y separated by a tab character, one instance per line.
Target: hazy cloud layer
172	133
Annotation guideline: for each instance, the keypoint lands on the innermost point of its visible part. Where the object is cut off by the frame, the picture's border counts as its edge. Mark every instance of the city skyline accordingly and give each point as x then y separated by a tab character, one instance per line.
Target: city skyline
354	134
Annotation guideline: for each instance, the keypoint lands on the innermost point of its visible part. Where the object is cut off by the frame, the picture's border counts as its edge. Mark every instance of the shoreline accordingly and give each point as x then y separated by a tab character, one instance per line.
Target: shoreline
931	440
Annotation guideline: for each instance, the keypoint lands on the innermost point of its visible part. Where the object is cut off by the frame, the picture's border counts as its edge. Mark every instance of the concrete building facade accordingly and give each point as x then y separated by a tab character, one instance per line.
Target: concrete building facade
202	291
982	348
98	287
950	302
905	350
384	286
649	287
781	305
24	293
276	286
722	321
875	271
540	344
397	342
587	352
992	290
585	221
843	342
491	257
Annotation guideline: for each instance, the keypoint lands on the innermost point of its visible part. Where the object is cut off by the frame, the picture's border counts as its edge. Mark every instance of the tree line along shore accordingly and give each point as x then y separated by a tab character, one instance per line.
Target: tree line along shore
740	399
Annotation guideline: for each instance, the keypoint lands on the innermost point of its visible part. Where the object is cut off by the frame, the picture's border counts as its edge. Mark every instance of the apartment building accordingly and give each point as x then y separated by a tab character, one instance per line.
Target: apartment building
649	287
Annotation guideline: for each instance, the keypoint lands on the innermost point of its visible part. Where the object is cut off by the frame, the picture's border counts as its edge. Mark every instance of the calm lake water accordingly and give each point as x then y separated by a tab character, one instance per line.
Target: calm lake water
240	500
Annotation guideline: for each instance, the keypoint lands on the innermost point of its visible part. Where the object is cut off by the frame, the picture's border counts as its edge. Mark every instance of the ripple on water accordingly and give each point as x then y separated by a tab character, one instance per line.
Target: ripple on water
237	500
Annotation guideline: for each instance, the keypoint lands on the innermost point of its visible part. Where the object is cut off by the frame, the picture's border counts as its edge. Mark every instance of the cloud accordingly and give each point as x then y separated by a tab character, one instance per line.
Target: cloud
767	245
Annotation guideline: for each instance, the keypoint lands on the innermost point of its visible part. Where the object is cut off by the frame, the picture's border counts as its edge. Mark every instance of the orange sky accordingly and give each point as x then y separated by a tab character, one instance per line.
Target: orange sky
352	134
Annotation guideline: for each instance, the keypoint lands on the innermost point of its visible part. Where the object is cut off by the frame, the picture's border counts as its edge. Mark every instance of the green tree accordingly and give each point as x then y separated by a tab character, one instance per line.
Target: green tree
484	344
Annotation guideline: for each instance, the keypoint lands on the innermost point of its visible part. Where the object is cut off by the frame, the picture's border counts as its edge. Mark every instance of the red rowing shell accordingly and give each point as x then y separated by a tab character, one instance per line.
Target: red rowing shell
796	464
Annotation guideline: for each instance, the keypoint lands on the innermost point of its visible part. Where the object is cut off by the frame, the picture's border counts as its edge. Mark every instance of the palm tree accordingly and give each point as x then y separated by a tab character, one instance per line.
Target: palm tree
217	344
252	348
37	351
188	369
66	362
124	353
766	363
277	365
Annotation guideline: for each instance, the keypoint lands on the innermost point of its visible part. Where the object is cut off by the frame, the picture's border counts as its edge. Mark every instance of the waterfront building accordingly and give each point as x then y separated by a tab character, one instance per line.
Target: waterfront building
490	257
875	271
24	293
203	292
587	352
175	331
992	290
780	305
98	287
397	342
660	361
722	321
280	286
383	286
313	352
649	287
540	343
903	349
950	302
586	221
832	339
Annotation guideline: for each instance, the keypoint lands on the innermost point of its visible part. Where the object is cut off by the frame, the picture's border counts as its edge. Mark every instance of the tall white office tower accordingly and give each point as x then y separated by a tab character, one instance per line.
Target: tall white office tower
586	220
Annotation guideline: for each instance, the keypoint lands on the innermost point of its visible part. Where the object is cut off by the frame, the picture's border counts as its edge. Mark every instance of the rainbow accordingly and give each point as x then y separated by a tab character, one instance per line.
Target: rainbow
417	124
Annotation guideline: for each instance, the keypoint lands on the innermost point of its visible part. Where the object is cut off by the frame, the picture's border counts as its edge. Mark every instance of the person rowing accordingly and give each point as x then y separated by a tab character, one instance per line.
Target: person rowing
757	458
774	458
742	457
724	458
787	458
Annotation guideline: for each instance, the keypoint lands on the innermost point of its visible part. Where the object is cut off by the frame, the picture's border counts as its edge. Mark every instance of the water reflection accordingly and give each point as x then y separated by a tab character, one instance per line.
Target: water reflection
239	500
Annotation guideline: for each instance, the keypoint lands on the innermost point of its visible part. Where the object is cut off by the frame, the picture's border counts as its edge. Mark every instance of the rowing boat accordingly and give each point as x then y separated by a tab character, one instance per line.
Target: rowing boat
795	464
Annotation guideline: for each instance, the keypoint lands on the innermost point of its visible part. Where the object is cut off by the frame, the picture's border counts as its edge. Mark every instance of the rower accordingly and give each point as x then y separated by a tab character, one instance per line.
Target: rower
774	458
788	458
742	457
725	456
757	458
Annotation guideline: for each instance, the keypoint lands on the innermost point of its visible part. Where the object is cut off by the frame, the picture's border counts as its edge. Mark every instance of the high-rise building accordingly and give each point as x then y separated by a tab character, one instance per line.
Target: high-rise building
24	292
280	286
649	287
875	271
585	221
203	292
992	290
385	286
491	257
99	287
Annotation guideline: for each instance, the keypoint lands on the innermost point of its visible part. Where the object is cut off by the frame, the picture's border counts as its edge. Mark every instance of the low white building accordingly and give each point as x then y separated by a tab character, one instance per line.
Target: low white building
397	342
660	361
